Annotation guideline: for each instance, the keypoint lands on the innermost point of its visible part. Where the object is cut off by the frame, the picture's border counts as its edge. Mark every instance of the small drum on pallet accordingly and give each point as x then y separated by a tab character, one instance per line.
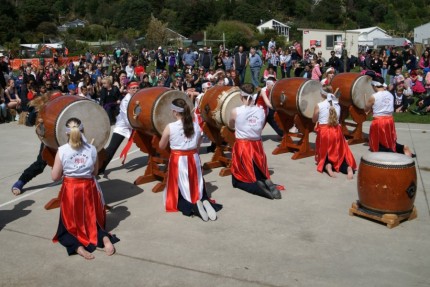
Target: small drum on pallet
217	103
387	182
51	126
149	109
296	96
353	88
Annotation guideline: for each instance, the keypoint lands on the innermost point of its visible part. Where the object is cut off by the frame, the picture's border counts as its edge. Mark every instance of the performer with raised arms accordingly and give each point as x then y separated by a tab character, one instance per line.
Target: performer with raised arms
249	163
81	226
332	152
185	189
382	133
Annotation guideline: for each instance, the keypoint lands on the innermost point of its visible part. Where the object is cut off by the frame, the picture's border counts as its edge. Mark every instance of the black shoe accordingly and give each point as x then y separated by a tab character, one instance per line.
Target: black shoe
273	189
263	190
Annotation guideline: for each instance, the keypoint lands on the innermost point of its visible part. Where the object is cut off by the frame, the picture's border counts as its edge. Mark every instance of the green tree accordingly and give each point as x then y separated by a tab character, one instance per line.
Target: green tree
156	34
236	33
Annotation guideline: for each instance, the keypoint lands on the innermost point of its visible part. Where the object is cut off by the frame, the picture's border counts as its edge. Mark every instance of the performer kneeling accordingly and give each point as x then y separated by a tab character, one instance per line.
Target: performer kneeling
332	150
249	163
382	133
185	189
82	216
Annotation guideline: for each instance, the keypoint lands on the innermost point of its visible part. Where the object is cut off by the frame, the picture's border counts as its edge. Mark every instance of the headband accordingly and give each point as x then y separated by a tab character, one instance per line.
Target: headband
176	108
332	97
133	84
68	130
245	95
376	84
269	82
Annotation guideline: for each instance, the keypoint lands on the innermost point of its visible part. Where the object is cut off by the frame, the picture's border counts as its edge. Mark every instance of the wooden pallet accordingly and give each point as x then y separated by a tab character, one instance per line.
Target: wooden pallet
390	219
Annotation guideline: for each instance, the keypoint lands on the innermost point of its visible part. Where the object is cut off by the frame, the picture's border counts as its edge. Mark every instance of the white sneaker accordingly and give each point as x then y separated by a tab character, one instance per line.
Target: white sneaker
201	210
209	210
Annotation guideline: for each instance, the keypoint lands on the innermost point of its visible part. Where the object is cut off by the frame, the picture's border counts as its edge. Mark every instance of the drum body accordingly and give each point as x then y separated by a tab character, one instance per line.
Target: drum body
387	182
51	128
296	96
149	109
217	103
353	88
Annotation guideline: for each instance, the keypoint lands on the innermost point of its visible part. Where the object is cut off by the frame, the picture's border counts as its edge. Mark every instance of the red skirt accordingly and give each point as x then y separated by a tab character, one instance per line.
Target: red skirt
382	132
331	144
81	209
244	154
185	176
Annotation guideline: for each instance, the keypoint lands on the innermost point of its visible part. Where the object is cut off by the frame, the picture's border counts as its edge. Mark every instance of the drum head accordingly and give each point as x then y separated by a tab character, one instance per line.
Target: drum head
387	159
308	96
228	104
362	87
93	117
161	112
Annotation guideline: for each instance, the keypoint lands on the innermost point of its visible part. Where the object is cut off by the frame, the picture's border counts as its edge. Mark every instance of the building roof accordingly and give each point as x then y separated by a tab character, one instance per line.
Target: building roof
328	30
176	33
271	22
368	30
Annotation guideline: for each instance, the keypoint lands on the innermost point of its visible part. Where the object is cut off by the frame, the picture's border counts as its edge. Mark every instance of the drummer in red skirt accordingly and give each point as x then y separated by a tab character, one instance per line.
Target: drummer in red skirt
382	134
249	163
332	152
81	226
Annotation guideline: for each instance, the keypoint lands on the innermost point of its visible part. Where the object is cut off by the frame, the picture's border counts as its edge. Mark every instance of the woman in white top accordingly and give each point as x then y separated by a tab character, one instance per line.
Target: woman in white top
249	163
332	152
81	226
185	189
122	128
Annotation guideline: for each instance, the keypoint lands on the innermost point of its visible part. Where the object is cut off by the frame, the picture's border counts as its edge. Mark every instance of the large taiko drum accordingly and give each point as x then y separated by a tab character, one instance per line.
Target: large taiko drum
387	182
296	96
51	126
149	109
353	88
217	103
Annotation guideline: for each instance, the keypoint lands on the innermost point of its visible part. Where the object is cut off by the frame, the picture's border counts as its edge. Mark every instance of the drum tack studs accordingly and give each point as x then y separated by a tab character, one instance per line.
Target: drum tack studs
137	109
283	98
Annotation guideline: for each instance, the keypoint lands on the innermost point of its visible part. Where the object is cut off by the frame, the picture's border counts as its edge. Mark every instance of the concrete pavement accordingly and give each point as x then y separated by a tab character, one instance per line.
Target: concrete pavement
305	239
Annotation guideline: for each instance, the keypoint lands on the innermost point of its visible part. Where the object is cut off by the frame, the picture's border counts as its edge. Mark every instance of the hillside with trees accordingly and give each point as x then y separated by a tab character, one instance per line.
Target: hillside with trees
35	21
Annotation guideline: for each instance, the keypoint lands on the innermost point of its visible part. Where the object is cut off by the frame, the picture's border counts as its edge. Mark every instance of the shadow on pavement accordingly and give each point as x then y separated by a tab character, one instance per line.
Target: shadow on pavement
18	211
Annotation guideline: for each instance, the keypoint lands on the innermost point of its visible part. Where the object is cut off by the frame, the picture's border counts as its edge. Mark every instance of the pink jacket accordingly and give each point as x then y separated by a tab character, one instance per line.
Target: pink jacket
316	72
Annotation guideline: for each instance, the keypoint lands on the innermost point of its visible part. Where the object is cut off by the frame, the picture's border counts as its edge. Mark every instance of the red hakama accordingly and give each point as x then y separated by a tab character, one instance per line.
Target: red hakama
81	209
330	143
184	175
244	154
382	132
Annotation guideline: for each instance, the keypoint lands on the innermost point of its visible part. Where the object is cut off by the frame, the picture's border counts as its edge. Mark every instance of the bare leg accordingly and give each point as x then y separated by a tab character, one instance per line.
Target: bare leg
81	251
329	169
109	249
350	174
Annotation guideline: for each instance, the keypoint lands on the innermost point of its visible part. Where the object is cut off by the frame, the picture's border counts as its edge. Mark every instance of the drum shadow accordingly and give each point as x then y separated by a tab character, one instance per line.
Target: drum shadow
18	211
210	188
42	186
274	138
118	190
115	216
131	165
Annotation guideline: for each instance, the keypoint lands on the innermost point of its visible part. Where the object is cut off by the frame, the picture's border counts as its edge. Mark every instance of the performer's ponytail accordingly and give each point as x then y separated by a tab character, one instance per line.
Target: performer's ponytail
74	128
187	119
332	118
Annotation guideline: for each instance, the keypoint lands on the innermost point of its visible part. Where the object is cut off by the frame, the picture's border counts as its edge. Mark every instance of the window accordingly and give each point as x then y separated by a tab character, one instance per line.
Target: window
331	41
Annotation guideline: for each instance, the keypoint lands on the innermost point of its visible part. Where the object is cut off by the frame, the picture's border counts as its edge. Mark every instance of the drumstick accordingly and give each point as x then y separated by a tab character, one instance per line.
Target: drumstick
92	141
335	92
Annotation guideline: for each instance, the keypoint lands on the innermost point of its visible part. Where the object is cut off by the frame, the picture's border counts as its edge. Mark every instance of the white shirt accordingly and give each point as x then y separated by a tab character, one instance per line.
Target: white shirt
324	111
249	122
384	104
78	163
122	125
177	139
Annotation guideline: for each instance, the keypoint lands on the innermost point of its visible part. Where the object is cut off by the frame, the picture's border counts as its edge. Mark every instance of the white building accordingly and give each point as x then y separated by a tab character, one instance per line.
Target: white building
326	41
281	28
422	34
366	36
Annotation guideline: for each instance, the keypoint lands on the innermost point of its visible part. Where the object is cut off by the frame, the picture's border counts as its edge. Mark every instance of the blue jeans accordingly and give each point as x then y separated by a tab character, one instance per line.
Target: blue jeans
241	74
3	110
255	75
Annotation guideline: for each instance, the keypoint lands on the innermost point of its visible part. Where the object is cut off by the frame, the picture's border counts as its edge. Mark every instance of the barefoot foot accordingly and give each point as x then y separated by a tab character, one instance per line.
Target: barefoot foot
350	174
329	169
109	249
81	251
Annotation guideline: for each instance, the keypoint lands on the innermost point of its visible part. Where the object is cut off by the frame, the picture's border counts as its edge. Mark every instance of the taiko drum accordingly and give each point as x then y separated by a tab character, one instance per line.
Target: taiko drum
296	96
387	182
149	109
51	126
353	88
217	103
